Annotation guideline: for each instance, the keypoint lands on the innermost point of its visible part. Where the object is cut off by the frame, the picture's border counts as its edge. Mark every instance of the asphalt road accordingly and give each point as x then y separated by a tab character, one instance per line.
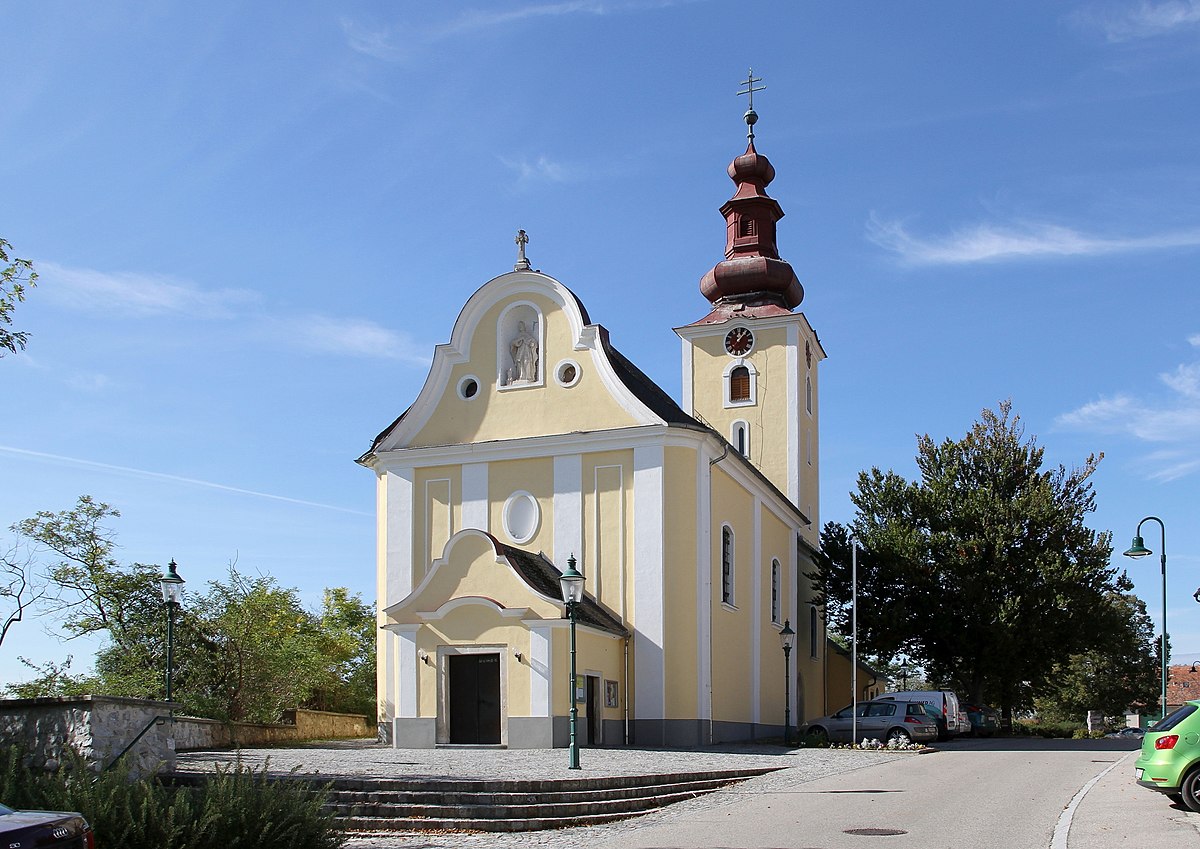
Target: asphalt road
1011	794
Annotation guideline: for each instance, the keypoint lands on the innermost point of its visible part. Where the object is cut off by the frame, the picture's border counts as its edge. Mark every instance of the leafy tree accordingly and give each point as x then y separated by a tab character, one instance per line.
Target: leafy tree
982	570
245	648
264	650
348	626
16	277
1120	672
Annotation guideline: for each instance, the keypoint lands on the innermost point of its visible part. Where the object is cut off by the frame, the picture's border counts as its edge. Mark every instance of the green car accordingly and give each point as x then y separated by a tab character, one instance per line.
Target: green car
1170	758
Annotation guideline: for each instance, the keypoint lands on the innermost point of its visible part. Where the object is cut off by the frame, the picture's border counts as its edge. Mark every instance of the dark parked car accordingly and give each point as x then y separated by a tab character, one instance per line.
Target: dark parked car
44	830
985	721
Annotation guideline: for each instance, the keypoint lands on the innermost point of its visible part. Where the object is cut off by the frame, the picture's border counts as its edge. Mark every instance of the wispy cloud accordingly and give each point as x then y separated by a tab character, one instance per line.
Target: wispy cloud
346	336
1170	421
137	294
1024	240
384	43
540	169
162	476
397	43
1144	20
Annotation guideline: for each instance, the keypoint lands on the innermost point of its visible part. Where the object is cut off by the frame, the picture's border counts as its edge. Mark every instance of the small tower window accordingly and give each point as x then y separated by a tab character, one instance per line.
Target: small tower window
741	438
808	394
746	227
739	384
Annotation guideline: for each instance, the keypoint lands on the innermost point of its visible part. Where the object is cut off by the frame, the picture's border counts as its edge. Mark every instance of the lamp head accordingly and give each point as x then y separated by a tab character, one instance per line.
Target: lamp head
1138	549
787	637
172	584
571	583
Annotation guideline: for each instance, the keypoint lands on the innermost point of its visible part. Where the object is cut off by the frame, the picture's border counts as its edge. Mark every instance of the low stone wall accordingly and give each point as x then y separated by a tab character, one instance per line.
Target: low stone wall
98	727
192	734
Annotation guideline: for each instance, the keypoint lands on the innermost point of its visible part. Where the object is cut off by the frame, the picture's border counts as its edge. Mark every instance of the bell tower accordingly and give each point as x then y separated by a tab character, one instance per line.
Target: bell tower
750	365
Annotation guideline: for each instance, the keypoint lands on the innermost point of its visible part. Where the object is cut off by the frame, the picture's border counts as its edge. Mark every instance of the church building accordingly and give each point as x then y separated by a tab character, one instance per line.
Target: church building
534	441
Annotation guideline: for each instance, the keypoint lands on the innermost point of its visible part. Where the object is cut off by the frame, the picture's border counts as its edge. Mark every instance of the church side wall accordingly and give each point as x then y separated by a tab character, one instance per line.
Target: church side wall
732	658
681	626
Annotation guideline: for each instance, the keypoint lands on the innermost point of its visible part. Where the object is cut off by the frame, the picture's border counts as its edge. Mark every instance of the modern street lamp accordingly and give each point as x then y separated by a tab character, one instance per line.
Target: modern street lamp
787	639
571	583
172	588
1138	549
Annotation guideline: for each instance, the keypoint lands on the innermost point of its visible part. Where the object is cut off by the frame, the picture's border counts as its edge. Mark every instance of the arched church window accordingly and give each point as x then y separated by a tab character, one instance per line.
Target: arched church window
775	600
726	565
739	384
812	632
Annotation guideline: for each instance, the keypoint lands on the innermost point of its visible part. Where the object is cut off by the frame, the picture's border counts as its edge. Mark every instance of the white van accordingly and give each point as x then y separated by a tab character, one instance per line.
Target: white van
944	700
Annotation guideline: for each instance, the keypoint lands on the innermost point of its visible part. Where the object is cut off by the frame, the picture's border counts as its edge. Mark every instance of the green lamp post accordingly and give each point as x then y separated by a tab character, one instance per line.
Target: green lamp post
1138	549
571	584
787	639
172	589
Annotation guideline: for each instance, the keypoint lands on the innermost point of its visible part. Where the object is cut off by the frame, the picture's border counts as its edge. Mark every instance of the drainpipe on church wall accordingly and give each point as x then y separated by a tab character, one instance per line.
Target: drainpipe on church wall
626	691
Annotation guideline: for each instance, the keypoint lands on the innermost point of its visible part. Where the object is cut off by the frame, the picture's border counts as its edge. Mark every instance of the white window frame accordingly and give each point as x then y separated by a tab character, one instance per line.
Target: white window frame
726	387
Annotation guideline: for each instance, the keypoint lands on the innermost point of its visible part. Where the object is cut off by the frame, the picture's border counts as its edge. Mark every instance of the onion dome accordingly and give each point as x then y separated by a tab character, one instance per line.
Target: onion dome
752	272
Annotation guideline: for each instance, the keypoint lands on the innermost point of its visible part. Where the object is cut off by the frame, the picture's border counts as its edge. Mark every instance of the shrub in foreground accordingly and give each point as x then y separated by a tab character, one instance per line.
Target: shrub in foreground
237	807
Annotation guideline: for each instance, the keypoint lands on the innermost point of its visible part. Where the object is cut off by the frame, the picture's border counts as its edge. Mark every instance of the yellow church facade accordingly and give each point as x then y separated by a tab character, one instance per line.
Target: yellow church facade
534	440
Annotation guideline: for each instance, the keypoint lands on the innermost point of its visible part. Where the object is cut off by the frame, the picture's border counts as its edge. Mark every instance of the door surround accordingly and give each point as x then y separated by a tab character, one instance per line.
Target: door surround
442	730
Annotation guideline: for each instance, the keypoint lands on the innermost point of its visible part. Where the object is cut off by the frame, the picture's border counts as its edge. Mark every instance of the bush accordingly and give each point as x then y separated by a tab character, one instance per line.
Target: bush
237	807
1052	730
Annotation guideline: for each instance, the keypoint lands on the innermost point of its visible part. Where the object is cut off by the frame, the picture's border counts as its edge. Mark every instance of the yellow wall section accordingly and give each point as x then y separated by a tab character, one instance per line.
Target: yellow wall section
680	555
607	526
535	476
732	659
437	500
496	413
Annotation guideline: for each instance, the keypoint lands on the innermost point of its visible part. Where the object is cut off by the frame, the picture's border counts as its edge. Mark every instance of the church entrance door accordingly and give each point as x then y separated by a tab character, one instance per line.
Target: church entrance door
474	698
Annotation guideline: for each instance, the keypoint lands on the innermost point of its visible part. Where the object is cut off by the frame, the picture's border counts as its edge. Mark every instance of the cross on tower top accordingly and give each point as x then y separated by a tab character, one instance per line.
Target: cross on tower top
751	117
522	263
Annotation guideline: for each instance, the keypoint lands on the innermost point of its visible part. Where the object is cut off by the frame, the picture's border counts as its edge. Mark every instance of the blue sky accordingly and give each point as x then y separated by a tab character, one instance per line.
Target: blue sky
253	222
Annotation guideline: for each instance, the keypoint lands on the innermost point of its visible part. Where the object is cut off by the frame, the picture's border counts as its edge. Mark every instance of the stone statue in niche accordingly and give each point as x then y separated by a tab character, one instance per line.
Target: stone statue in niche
524	350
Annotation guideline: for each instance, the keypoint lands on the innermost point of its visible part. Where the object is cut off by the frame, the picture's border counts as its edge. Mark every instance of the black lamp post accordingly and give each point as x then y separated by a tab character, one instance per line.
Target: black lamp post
1138	549
787	639
571	584
904	674
172	588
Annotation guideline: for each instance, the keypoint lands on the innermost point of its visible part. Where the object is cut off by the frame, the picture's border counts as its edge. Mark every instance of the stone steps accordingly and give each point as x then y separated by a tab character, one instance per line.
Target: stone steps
433	805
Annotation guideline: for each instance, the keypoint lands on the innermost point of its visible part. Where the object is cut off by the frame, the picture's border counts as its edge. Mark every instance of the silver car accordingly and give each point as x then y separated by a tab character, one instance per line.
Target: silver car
877	720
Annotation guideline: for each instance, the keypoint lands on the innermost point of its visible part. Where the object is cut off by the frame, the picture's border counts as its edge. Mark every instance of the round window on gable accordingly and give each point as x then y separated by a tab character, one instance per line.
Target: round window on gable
566	373
521	517
468	387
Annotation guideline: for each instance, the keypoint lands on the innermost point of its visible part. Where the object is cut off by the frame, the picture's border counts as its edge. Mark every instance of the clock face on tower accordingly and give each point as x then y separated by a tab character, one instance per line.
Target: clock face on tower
739	341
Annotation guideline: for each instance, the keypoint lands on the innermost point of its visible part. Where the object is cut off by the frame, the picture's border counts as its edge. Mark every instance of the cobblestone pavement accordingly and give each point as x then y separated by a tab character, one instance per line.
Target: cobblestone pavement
362	759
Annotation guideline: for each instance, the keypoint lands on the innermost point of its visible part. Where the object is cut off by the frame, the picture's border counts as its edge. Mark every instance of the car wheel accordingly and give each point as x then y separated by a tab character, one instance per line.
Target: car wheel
899	735
1191	790
817	736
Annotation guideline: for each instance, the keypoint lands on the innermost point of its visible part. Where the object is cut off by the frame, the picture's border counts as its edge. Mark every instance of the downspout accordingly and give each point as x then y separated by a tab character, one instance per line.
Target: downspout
626	641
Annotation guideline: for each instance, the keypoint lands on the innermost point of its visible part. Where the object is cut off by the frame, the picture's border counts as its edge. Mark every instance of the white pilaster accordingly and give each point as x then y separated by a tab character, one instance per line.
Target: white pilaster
406	678
648	580
475	496
398	534
794	453
539	670
568	510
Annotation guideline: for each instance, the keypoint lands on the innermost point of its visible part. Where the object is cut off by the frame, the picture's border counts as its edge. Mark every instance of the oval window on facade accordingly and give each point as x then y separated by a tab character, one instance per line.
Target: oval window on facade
521	517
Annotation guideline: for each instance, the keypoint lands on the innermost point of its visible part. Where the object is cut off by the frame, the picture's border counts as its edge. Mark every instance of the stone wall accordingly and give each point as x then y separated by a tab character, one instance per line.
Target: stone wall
98	727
